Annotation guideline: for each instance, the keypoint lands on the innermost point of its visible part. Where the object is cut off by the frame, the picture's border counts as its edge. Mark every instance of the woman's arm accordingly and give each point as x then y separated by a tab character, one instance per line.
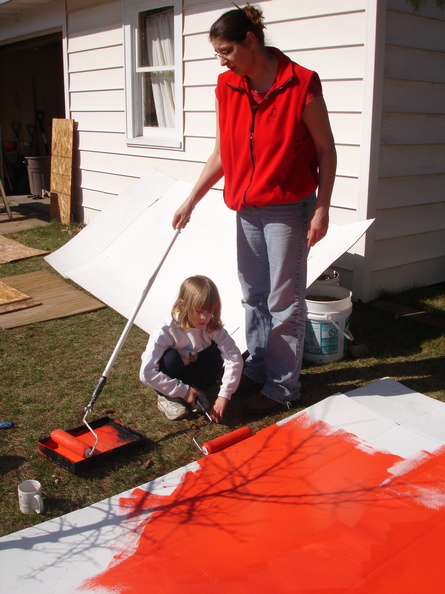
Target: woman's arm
315	116
211	174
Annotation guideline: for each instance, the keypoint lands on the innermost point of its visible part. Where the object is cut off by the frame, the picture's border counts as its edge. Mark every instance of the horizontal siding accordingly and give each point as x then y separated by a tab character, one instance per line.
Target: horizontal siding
414	64
409	128
410	190
96	59
401	278
408	96
391	223
333	30
417	31
95	100
346	192
411	160
100	122
389	253
90	16
97	80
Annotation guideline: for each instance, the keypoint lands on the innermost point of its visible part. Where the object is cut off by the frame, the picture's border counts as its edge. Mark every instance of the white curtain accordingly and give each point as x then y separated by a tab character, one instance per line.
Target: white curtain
161	53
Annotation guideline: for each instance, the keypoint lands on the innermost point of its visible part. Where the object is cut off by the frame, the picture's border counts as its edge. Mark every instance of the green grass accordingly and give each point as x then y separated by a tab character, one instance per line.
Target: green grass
49	371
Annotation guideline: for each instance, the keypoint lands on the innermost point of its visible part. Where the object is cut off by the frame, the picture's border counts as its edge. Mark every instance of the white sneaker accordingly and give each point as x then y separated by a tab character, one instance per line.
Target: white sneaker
172	408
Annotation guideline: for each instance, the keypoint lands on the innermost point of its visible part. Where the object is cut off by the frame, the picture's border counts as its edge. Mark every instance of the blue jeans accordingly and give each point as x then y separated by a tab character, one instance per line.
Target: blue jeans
272	263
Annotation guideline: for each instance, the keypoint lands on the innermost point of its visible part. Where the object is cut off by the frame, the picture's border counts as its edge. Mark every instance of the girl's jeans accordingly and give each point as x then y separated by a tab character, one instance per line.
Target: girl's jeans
272	263
201	374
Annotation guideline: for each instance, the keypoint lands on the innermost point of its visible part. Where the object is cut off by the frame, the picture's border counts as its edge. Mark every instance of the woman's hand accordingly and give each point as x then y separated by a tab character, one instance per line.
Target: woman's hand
183	214
218	409
318	226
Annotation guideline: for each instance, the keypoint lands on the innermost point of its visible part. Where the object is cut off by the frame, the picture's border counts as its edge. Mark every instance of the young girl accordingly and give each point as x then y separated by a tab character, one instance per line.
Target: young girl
191	352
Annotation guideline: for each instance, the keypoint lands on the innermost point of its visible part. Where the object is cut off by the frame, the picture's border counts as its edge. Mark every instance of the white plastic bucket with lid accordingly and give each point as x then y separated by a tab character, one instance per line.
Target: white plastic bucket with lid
328	309
329	277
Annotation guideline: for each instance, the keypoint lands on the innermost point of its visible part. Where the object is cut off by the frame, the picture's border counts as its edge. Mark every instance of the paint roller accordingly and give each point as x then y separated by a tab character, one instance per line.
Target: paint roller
70	441
224	441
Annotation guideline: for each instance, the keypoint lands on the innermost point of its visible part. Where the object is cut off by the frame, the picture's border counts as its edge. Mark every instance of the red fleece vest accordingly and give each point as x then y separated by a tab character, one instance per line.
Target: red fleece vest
263	162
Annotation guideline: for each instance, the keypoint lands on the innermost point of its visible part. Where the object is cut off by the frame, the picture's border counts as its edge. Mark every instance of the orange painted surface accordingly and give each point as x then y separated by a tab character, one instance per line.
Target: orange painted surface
297	508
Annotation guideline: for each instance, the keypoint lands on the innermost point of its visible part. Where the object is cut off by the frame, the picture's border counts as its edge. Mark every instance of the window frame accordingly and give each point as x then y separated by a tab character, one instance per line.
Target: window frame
135	133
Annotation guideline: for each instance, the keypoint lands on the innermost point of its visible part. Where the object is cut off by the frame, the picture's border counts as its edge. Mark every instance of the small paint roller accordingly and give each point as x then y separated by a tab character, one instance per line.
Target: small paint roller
227	440
71	443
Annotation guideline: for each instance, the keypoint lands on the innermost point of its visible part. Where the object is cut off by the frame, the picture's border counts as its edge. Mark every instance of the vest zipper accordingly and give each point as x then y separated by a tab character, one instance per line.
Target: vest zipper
254	109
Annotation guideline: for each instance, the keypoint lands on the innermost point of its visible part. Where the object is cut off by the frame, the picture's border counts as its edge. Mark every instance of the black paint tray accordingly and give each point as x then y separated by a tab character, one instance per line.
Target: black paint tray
114	438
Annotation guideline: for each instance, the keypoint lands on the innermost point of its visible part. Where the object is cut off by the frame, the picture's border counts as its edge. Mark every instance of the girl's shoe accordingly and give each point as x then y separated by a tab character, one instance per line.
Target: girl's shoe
172	408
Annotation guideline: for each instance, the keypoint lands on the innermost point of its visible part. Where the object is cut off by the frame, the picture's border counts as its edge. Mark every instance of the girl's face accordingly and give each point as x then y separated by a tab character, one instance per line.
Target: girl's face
200	318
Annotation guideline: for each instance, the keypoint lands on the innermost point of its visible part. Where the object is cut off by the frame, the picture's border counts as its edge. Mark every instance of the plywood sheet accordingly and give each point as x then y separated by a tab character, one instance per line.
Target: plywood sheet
18	306
58	299
11	251
61	170
305	505
10	295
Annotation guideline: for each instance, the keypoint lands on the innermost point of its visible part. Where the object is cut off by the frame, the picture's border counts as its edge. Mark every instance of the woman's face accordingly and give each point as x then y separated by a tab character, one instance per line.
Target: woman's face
236	56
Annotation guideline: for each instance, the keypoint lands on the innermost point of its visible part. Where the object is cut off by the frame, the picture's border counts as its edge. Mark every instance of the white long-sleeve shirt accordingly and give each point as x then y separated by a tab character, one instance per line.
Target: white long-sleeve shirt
189	343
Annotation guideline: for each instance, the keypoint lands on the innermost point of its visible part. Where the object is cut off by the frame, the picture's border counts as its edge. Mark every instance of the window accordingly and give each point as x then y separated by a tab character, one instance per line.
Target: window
153	73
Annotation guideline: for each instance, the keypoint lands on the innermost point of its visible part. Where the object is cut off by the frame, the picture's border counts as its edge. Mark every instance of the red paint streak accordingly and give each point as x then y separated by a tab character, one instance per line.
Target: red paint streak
109	439
296	508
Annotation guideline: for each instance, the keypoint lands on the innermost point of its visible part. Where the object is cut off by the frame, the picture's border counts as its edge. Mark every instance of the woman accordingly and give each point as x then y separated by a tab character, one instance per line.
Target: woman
274	146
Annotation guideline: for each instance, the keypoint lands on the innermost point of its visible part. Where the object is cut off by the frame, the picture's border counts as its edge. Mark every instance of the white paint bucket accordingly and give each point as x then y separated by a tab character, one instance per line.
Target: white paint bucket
328	309
329	277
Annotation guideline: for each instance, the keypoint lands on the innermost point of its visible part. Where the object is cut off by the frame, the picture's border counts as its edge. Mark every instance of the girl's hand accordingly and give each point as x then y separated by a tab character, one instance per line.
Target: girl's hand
191	396
218	409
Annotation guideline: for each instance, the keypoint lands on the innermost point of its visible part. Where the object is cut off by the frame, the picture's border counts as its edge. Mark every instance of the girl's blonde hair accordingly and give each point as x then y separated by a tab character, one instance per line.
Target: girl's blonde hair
197	292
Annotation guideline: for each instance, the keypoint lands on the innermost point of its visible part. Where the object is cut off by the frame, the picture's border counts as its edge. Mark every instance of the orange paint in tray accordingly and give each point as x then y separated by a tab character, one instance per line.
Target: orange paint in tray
297	508
113	436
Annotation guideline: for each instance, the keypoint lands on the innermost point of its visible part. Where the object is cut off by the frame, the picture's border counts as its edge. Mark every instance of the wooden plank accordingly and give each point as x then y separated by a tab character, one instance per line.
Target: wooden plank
18	306
61	170
11	251
58	299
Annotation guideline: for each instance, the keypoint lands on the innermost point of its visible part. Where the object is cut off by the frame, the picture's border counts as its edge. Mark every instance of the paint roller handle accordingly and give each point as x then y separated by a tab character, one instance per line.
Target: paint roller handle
100	386
203	408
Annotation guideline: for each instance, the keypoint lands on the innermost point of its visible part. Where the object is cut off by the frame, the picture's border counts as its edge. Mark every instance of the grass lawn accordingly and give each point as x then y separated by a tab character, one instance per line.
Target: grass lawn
49	370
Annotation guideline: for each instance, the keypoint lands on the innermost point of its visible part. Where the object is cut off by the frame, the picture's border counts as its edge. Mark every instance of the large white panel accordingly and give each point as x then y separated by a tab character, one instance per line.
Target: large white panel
114	256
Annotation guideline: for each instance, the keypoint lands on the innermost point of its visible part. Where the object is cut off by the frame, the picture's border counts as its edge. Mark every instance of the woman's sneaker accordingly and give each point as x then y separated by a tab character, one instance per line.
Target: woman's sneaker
172	408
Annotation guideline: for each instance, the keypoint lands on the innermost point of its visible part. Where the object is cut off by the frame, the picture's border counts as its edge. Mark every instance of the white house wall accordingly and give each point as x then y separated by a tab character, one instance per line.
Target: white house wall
390	161
409	231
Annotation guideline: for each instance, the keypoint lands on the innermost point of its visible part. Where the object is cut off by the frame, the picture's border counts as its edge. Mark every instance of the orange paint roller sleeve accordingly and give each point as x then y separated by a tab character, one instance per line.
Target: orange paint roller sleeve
220	443
71	443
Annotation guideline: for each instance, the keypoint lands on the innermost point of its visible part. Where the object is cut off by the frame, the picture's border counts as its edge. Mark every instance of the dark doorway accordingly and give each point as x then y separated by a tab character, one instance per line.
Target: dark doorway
31	78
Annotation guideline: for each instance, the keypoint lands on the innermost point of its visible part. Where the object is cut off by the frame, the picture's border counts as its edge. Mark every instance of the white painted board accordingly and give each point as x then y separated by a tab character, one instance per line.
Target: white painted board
116	254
